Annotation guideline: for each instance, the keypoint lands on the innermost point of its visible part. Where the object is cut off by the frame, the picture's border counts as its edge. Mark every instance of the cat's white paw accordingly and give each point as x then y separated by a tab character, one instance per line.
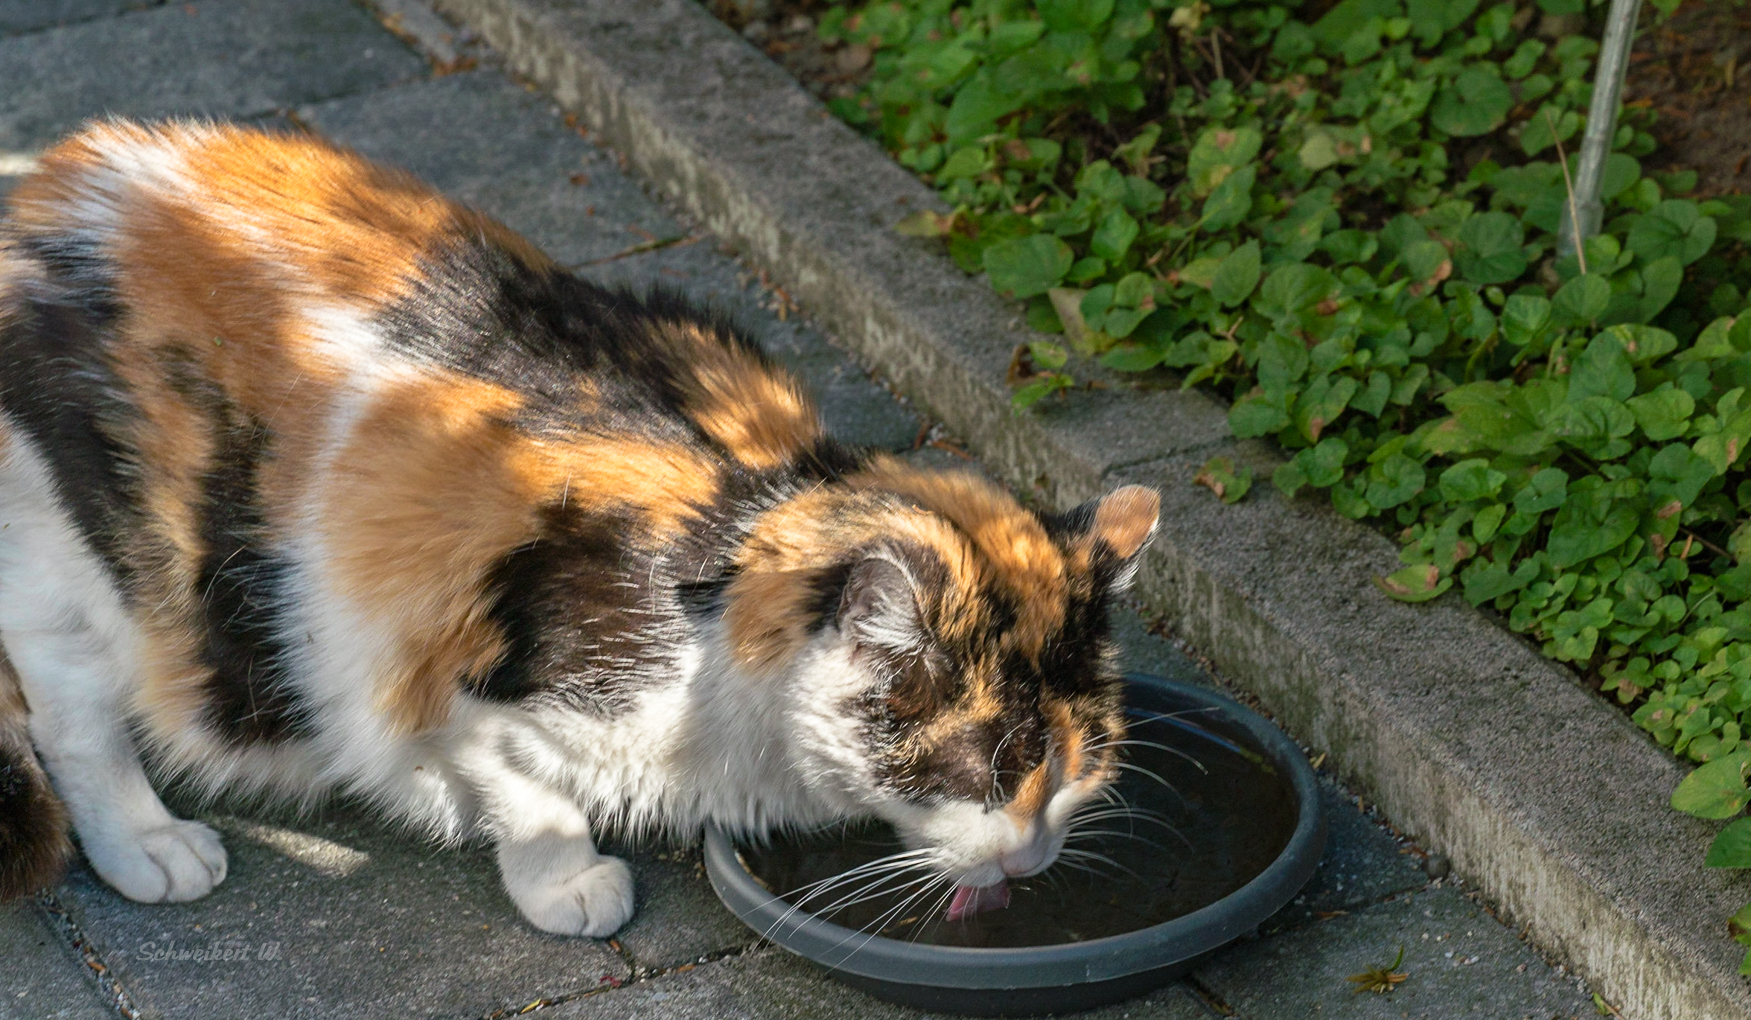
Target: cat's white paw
171	863
595	901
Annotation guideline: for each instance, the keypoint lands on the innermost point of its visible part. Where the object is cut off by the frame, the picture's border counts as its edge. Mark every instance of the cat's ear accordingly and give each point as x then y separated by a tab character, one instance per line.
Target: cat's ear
1114	530
879	607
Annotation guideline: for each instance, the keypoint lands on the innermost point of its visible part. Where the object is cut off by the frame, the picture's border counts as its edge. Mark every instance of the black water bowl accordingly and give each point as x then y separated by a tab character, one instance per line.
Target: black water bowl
1223	827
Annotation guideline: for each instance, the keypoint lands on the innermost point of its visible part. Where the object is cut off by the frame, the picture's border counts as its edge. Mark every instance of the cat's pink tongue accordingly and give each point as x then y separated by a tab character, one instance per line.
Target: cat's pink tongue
976	899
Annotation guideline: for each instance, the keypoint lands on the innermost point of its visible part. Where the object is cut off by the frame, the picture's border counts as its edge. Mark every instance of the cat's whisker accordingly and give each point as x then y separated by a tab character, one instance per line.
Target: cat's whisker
940	903
875	873
874	928
1119	834
866	892
863	882
1104	859
1140	770
894	858
1176	752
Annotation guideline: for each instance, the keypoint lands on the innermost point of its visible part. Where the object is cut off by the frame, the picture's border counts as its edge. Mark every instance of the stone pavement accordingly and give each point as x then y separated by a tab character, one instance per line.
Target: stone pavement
335	916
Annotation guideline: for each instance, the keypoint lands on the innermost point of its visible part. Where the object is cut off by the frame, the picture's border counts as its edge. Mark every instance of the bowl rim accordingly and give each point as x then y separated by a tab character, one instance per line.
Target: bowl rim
1115	956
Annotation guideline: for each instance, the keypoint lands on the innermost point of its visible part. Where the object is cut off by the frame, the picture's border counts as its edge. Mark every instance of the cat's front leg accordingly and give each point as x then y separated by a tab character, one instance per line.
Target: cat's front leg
562	885
549	861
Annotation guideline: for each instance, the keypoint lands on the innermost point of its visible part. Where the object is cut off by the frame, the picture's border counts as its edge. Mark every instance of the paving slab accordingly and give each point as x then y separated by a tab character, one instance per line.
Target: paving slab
215	58
335	916
1472	742
679	920
1362	864
484	140
45	979
25	15
769	984
1458	962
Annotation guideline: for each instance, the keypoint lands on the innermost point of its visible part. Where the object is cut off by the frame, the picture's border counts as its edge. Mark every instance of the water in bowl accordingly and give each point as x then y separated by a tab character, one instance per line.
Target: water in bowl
1207	813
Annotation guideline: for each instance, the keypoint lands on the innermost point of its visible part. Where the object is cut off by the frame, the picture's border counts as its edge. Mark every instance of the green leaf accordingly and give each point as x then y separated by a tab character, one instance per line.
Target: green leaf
1661	279
1321	403
1675	228
1372	399
1490	249
1134	291
1114	235
1319	151
1256	416
1621	171
1525	319
1471	479
1485	580
1218	153
1739	925
1642	343
1074	15
1025	266
1582	300
1664	413
1236	277
1602	369
1431	19
1220	476
1323	465
1484	525
1414	584
1132	357
1717	789
1231	200
1038	388
1476	103
1393	481
1677	473
1591	523
976	108
1292	288
1423	259
1548	490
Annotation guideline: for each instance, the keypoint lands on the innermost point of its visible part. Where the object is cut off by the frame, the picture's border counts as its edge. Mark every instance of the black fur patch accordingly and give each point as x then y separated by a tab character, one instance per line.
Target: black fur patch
588	618
476	310
59	389
241	587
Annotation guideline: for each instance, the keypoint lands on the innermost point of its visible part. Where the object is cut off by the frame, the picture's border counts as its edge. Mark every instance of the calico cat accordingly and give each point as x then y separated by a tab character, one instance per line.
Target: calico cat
314	481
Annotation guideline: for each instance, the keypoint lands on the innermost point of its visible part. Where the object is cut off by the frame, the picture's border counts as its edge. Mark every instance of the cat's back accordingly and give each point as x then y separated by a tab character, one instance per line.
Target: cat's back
265	377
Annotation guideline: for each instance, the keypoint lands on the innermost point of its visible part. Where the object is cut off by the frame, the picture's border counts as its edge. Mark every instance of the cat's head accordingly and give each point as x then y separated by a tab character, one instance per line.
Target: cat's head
961	682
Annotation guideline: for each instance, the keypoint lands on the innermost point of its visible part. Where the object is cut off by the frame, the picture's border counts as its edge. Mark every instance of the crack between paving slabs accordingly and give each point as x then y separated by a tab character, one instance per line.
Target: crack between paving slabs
58	917
1209	997
640	976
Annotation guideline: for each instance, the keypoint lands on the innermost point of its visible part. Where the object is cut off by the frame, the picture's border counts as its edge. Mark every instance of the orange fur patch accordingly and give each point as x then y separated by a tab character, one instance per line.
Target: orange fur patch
1032	796
433	488
1010	540
757	413
436	486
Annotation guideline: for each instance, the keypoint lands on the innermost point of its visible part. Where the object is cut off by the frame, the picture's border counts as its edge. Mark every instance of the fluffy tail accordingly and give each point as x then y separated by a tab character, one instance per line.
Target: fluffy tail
33	822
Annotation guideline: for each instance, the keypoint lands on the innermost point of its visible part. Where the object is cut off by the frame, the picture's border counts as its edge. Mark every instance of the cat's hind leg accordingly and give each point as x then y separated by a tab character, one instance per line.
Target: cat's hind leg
74	648
130	838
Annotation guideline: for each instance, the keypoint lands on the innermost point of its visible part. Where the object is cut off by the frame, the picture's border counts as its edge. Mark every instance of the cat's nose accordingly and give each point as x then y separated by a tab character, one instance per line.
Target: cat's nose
1028	858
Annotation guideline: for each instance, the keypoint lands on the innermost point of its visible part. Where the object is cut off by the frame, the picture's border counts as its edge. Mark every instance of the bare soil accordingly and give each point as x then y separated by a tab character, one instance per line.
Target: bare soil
1694	72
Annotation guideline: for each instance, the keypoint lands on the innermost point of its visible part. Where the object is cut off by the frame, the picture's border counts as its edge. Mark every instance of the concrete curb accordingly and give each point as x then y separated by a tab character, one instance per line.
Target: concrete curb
1542	794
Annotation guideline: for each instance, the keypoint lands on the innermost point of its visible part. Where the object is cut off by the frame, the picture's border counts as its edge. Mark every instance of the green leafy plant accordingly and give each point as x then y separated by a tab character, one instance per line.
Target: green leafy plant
1347	226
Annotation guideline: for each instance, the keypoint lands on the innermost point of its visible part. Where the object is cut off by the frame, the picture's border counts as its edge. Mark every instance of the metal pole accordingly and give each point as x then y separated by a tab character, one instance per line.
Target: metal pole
1601	125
